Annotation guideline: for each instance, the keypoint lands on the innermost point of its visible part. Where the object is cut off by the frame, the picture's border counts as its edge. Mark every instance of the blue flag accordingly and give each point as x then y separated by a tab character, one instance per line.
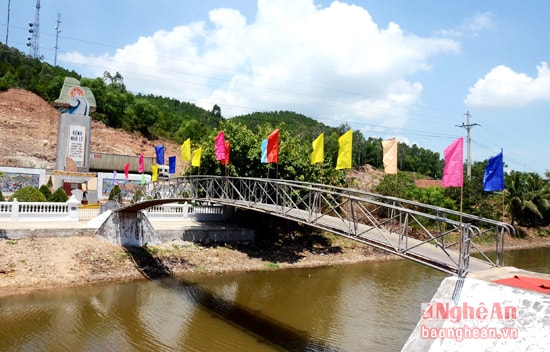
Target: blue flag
172	164
159	149
493	180
264	151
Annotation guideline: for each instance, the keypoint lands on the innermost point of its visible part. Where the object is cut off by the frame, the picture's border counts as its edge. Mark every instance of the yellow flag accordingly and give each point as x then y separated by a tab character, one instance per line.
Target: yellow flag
155	171
197	157
186	150
318	154
389	153
344	151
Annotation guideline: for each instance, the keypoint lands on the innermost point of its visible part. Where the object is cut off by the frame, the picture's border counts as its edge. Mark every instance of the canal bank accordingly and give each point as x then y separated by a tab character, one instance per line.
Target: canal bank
38	256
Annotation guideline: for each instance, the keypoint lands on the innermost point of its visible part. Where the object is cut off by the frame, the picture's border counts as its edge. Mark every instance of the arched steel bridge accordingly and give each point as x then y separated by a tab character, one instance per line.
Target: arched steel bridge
434	236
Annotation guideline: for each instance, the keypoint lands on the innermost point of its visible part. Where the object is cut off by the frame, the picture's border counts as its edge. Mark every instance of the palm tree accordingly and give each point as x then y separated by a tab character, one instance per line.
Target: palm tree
527	195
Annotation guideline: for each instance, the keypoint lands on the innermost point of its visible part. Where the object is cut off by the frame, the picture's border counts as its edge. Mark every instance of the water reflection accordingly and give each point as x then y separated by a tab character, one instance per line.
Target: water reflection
370	306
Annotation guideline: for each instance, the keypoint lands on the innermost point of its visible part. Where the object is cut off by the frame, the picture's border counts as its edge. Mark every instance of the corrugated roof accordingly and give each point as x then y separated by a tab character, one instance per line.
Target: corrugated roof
427	183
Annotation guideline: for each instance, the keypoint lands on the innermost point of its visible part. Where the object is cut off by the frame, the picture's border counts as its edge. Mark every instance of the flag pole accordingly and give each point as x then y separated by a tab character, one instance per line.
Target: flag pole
502	205
461	249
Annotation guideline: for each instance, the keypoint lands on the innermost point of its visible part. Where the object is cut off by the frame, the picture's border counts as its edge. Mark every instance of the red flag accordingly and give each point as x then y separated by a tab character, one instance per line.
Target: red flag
141	164
126	170
225	161
454	169
273	147
220	146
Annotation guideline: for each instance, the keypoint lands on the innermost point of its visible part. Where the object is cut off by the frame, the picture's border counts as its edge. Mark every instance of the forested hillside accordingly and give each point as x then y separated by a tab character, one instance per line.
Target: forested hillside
526	198
156	116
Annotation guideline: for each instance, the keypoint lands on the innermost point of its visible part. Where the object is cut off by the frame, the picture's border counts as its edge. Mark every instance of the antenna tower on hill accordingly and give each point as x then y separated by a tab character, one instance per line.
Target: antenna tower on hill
34	31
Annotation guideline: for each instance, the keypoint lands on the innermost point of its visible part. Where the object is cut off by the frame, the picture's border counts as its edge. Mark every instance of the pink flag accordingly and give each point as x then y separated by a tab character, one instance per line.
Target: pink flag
220	146
141	164
454	170
273	147
227	151
126	170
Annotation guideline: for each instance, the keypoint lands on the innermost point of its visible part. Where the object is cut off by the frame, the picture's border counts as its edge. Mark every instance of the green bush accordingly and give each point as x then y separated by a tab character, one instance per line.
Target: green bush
115	193
137	196
59	196
50	183
1	196
28	194
45	190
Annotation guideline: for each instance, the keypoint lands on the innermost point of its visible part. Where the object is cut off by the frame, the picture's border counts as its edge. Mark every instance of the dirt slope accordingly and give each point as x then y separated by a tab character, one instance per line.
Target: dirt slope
28	134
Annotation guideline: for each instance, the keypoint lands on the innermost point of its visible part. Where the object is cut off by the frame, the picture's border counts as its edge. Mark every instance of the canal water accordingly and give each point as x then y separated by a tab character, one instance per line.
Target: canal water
364	307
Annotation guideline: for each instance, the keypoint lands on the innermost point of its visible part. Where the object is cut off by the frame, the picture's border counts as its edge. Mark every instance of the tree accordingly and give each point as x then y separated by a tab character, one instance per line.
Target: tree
395	185
59	196
245	156
45	191
115	193
139	116
28	194
523	194
216	111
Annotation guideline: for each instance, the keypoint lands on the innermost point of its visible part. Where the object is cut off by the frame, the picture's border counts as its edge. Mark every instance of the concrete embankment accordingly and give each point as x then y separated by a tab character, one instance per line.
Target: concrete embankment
478	314
185	229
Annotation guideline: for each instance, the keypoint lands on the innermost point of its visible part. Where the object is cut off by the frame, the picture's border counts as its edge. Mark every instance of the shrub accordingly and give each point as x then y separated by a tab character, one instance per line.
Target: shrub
137	196
59	196
45	190
115	193
28	194
1	196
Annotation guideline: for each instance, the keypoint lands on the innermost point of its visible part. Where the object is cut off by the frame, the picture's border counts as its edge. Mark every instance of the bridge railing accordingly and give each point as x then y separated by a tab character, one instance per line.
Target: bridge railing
362	215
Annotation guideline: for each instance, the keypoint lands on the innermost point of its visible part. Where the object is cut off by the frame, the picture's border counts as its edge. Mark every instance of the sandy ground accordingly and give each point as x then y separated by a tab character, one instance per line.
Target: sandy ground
31	264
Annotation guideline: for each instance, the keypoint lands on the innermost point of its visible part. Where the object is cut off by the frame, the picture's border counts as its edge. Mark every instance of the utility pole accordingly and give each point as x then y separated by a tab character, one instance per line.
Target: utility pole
8	26
468	126
57	31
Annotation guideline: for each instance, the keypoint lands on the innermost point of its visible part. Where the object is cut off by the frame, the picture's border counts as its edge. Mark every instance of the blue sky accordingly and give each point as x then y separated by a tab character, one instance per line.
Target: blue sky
392	68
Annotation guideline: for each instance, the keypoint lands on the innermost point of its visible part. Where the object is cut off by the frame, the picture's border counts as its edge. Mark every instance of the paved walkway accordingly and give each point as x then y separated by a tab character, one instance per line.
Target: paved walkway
33	225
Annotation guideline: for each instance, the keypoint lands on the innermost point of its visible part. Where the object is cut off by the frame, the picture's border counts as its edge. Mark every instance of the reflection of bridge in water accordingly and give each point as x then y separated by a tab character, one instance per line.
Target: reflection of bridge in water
433	236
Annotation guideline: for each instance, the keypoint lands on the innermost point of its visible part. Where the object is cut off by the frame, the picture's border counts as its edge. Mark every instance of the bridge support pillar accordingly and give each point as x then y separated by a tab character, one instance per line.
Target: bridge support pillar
128	229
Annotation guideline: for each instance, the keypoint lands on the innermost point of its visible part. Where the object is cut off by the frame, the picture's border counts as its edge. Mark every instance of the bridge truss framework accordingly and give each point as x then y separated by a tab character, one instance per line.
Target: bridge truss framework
434	236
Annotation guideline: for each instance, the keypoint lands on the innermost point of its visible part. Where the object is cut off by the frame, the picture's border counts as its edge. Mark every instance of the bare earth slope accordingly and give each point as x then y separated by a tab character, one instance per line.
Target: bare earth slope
28	138
28	134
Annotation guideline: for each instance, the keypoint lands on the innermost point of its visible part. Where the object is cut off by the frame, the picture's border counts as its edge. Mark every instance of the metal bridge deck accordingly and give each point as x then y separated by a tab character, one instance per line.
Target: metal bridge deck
409	248
387	223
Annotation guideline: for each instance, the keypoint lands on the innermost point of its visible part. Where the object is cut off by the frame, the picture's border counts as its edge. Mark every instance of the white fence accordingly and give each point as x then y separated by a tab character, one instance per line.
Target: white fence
46	211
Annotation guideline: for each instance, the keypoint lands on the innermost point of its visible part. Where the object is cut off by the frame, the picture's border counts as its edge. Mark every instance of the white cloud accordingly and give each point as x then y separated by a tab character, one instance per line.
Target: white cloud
502	87
331	63
471	25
